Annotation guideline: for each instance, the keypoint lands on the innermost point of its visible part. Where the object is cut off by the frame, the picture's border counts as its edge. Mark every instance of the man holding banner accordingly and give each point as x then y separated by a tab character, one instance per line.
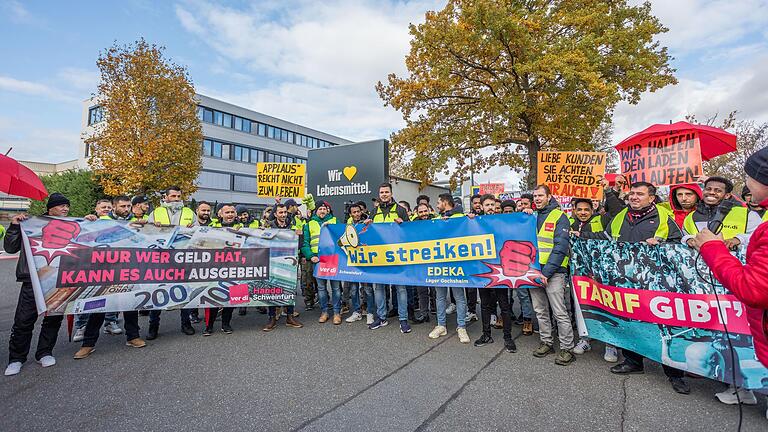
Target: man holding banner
323	215
553	227
26	309
643	221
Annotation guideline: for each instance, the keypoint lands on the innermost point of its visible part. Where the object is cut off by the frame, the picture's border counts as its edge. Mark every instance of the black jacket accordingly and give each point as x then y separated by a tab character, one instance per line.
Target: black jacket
401	212
13	243
584	227
635	230
613	204
562	240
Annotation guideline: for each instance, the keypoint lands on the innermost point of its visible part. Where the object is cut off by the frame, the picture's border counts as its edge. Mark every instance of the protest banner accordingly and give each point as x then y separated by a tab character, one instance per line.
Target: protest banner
487	251
572	174
280	180
653	300
664	160
494	189
79	266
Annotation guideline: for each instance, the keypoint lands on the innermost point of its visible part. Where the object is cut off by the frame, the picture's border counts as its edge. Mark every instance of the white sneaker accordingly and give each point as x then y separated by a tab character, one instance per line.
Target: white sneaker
113	329
79	335
582	347
450	309
13	369
47	361
438	331
354	317
471	316
463	336
728	396
493	320
369	319
611	354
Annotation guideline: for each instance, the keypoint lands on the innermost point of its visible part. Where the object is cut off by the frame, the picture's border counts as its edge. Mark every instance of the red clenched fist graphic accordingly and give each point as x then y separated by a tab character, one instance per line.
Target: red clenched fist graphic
59	233
516	257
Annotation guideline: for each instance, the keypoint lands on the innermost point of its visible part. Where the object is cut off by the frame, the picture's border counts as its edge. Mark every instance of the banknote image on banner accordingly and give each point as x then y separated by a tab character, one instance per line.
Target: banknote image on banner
487	251
653	300
79	266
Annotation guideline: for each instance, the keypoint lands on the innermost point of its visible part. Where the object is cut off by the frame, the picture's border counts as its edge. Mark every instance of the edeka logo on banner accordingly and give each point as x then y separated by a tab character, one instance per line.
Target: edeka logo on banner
653	300
487	251
334	176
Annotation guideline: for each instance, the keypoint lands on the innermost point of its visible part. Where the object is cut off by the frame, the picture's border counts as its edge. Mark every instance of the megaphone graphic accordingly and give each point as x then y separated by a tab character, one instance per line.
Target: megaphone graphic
349	239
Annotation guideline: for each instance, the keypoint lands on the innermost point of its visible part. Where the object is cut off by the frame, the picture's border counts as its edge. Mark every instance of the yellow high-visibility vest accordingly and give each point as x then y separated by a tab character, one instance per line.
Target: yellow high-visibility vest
546	237
314	233
161	215
735	223
662	231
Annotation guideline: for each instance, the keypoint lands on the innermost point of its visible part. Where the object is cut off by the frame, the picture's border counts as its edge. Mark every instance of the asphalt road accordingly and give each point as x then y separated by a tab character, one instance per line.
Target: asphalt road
326	377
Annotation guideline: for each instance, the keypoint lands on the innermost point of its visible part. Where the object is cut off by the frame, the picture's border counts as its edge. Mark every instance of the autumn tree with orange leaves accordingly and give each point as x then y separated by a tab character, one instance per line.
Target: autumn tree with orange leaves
151	137
492	82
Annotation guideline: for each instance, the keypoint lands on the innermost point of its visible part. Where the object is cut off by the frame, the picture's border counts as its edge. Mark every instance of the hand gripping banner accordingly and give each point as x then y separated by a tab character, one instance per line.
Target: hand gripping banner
659	301
78	266
496	251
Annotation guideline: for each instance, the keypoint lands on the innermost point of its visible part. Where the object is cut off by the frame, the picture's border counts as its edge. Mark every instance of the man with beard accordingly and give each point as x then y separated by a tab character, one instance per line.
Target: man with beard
229	219
281	222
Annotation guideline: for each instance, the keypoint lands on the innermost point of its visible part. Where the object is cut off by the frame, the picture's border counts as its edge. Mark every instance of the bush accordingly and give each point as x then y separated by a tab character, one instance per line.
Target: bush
79	186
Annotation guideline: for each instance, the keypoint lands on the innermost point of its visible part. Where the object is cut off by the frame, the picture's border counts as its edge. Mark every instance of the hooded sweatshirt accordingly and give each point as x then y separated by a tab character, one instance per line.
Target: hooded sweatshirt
677	209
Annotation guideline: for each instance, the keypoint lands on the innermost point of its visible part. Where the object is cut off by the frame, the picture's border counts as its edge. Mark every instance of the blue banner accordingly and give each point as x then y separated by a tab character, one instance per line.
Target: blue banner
486	251
659	301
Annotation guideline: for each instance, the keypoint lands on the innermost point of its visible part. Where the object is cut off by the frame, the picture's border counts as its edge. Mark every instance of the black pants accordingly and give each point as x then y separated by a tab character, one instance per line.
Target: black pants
226	316
636	359
489	298
472	299
154	317
23	325
95	320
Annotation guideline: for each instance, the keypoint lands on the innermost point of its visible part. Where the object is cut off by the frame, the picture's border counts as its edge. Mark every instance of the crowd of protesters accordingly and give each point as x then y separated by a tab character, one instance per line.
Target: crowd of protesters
627	213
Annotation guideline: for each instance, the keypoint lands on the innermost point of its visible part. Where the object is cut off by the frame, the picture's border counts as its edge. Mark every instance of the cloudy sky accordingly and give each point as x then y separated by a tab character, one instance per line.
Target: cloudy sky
316	62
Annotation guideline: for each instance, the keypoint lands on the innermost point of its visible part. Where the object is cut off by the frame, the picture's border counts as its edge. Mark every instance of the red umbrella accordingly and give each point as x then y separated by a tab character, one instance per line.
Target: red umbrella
16	179
713	141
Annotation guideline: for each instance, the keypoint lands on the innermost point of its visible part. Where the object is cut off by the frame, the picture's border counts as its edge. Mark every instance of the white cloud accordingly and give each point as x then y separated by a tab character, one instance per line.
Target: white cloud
83	81
744	89
16	11
708	24
31	88
31	142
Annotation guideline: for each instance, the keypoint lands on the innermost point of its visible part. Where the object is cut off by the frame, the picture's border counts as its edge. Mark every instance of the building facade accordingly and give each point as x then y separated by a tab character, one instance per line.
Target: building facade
235	139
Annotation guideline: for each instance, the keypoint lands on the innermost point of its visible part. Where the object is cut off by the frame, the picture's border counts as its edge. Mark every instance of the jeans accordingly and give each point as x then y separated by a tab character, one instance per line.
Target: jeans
322	295
272	311
95	321
526	308
380	294
441	294
423	299
24	324
354	295
82	319
553	297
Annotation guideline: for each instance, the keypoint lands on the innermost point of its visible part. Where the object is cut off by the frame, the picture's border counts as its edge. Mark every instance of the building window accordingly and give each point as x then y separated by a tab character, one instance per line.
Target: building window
262	129
212	148
95	115
227	120
242	124
244	183
257	156
214	180
240	154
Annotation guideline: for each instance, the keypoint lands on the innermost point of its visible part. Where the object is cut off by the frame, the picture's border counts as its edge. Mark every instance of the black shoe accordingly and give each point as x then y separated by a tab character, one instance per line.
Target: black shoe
187	329
226	329
242	311
421	319
152	332
626	368
484	340
262	310
510	346
520	320
194	319
309	307
680	386
207	332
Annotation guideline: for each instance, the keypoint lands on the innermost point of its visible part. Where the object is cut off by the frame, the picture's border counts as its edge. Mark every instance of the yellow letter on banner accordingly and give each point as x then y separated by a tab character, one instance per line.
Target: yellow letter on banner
279	179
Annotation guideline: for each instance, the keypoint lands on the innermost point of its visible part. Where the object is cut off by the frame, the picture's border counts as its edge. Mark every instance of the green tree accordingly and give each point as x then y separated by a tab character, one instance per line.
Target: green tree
79	186
495	81
151	137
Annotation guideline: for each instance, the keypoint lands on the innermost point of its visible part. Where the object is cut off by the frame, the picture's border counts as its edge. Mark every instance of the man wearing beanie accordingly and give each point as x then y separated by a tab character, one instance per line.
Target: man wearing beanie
749	283
26	310
746	195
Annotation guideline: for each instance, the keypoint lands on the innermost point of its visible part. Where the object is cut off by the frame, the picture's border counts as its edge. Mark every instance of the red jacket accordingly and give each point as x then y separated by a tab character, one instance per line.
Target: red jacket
749	283
677	209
